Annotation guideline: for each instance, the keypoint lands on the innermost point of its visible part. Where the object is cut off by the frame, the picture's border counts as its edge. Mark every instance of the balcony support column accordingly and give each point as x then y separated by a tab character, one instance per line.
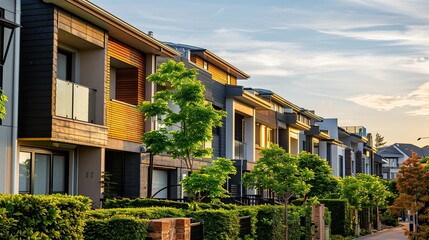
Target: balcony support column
230	129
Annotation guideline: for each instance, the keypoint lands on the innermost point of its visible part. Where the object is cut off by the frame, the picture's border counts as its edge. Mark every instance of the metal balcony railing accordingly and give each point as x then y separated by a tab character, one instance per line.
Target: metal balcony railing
75	101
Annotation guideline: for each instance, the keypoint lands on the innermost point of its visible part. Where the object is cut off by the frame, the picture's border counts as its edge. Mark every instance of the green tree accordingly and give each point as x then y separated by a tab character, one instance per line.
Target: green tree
209	181
3	100
376	194
324	184
183	133
353	190
280	172
379	140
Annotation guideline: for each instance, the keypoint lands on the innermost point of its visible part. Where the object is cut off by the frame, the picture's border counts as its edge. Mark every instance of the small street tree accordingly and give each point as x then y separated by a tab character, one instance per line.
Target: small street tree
379	141
280	172
324	184
413	187
353	190
182	133
377	194
209	181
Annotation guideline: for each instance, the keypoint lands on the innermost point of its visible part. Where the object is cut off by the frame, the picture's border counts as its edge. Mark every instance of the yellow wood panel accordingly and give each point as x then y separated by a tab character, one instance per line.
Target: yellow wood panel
125	122
218	74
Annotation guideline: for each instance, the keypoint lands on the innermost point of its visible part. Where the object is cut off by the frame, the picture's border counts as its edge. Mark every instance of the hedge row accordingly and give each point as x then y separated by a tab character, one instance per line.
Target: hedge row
42	217
116	227
341	220
150	202
220	224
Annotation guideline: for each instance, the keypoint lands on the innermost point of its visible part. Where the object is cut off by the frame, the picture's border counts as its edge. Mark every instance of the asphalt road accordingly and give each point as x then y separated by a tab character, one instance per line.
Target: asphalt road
389	234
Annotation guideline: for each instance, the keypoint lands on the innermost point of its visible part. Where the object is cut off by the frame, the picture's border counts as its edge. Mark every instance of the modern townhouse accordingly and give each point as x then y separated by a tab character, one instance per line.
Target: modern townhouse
395	154
9	82
295	129
315	135
83	71
361	145
333	149
236	139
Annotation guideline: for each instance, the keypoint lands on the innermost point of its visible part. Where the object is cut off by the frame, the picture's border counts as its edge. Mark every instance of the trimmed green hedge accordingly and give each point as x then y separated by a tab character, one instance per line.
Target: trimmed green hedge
142	203
341	219
42	217
116	227
218	224
150	202
142	213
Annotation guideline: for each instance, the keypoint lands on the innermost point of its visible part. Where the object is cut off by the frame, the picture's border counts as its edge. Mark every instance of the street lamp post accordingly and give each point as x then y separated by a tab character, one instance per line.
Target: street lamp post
150	171
423	152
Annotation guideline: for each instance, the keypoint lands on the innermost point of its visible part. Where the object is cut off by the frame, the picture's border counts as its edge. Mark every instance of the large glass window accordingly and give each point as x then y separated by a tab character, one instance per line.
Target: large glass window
42	172
64	65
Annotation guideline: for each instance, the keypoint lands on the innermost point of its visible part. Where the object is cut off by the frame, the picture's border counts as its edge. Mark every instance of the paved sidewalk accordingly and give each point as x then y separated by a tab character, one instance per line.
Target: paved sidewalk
396	233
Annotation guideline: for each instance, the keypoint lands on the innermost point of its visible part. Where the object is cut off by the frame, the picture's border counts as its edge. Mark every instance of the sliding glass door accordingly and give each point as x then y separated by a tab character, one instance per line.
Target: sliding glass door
43	172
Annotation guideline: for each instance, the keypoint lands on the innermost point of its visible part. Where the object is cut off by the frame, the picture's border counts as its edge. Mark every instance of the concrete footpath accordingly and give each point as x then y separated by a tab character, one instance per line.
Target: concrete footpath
397	233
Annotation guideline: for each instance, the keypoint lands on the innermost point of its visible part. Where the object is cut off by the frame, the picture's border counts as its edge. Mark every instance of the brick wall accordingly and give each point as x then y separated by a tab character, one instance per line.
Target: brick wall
170	228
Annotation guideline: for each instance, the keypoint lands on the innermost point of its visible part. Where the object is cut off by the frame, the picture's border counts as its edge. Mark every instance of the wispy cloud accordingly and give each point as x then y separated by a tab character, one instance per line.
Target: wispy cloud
409	8
417	99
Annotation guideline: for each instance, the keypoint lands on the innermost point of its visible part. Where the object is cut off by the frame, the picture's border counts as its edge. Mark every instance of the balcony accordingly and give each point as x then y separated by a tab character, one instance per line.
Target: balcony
297	121
239	153
75	101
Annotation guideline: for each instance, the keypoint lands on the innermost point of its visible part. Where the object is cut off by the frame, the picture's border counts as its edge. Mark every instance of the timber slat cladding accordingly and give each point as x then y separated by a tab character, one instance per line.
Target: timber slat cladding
217	74
79	28
124	121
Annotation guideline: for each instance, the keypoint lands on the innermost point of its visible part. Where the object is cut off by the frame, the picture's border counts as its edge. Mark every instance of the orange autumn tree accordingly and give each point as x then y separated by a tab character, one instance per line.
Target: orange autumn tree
413	186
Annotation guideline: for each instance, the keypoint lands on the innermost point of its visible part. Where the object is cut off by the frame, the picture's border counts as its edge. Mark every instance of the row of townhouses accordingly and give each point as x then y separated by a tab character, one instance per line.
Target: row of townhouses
74	75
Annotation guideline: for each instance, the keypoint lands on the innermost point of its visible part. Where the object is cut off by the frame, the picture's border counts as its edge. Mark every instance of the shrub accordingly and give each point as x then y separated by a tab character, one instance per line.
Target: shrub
142	213
389	219
142	202
218	224
252	212
270	223
116	227
47	217
341	220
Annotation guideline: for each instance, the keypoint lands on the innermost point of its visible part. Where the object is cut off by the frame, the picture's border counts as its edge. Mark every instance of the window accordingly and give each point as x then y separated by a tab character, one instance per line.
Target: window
393	175
205	65
64	65
42	172
341	160
391	162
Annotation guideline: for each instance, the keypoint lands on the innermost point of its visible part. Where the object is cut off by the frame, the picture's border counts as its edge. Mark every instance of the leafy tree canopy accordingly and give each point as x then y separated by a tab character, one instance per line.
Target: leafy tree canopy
280	172
324	184
209	181
183	132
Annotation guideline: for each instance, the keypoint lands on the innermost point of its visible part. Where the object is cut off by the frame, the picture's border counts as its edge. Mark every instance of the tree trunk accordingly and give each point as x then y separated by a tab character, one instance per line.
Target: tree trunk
369	221
357	224
378	219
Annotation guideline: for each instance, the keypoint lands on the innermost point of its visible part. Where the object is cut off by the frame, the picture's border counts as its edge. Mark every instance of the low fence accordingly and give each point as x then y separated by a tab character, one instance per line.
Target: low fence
245	226
197	231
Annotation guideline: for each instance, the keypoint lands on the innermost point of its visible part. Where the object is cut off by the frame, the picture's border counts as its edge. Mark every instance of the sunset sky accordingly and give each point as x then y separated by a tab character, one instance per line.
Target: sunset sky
365	62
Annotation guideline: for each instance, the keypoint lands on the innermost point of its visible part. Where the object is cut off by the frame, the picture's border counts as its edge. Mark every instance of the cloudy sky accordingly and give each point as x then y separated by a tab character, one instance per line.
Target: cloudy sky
365	62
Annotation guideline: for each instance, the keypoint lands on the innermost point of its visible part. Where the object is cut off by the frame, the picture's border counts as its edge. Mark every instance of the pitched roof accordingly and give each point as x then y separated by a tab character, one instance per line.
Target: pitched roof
389	151
408	148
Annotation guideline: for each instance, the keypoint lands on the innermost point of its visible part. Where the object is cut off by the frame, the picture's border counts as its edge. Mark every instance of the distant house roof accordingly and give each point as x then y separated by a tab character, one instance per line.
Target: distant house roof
209	56
408	148
389	151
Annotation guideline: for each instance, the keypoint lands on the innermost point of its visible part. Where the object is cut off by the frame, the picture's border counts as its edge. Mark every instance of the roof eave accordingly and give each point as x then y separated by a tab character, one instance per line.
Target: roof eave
83	6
